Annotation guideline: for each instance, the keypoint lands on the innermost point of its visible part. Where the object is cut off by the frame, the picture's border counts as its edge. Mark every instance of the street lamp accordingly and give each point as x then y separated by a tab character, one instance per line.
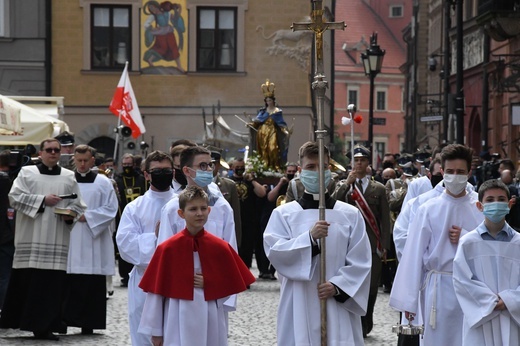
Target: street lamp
372	62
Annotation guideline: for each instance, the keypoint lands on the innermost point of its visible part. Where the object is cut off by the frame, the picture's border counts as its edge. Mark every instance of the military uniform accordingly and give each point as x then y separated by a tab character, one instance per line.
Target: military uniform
375	196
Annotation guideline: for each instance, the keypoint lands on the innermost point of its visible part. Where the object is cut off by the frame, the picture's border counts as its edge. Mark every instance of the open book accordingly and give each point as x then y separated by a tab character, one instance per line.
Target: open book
63	211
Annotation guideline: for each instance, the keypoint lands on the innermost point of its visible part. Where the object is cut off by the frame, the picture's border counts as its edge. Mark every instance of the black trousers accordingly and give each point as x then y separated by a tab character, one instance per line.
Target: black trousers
86	303
34	301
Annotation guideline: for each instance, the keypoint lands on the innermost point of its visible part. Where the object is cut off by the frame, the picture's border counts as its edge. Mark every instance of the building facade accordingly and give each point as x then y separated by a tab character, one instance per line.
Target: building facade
387	20
190	62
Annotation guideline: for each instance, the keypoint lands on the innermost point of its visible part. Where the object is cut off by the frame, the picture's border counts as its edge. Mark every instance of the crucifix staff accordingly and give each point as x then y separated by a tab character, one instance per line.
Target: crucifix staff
319	26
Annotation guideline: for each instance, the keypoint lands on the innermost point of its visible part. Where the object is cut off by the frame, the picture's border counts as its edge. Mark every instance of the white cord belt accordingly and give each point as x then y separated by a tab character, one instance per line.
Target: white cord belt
433	310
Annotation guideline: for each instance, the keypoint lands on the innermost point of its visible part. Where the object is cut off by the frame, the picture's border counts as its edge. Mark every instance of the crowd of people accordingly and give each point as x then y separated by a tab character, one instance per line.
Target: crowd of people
184	226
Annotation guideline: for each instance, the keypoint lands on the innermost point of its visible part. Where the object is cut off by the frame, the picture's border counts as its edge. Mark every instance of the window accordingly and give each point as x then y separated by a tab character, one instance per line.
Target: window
352	97
396	11
381	100
110	36
379	152
216	39
4	18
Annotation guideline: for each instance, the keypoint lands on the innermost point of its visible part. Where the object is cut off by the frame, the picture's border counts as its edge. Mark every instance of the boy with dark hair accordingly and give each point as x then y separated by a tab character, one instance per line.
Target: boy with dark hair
485	273
427	261
189	277
136	233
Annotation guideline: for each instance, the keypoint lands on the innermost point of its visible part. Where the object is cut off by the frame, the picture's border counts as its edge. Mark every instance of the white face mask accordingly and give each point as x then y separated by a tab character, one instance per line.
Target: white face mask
455	183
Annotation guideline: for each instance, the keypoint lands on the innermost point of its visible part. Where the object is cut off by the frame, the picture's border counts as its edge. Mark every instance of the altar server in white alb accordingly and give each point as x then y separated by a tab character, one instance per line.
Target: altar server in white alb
91	251
37	285
292	244
427	263
486	273
136	235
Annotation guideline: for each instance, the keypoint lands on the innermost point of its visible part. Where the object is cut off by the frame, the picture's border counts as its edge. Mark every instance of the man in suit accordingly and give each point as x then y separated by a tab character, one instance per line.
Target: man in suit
375	196
229	191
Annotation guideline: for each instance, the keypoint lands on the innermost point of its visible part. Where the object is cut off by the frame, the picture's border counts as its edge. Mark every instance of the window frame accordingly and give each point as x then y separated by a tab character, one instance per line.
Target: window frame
385	107
356	90
217	44
5	31
111	8
135	37
391	10
241	8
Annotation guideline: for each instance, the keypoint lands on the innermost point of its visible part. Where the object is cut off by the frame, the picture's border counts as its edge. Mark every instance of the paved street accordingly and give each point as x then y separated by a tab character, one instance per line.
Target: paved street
253	324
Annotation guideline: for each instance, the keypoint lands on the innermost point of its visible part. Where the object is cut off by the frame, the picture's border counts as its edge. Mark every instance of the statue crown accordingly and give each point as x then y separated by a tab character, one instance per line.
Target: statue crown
268	88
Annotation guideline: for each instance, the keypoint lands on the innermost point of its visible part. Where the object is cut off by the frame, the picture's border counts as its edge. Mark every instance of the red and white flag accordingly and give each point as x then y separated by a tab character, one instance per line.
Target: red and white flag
124	105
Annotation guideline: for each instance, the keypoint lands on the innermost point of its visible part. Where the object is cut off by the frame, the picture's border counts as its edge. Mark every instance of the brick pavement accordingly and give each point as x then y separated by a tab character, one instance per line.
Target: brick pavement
253	324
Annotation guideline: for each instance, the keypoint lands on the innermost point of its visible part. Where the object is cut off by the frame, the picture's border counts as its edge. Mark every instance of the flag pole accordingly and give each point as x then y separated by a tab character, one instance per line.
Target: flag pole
118	129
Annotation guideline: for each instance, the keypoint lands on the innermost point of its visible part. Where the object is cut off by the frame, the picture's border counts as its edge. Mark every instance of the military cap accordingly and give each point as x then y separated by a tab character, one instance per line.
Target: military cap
217	157
405	160
65	138
360	151
410	171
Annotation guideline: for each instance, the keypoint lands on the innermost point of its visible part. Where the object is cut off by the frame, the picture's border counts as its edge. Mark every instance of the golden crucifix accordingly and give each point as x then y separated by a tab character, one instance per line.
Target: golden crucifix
319	26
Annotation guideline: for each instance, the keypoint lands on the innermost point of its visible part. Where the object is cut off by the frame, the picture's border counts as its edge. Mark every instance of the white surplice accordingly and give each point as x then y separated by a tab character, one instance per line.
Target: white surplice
221	223
427	266
185	322
288	246
483	270
39	234
136	241
91	248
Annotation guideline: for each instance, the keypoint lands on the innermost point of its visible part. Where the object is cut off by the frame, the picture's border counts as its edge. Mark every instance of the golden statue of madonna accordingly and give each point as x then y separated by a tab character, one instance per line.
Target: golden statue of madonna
271	138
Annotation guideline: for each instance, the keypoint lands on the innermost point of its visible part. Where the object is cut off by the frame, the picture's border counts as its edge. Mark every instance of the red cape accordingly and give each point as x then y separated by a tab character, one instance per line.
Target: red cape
170	272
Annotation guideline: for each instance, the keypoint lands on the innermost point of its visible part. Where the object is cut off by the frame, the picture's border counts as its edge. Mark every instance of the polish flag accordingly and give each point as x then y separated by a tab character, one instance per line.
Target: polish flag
124	105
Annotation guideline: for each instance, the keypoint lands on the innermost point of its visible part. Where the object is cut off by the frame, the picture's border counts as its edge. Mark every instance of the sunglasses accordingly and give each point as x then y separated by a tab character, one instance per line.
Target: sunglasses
52	150
158	171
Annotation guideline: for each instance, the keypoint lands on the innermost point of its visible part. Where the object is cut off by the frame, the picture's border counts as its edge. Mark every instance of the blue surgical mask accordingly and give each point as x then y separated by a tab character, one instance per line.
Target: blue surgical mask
203	178
496	211
310	180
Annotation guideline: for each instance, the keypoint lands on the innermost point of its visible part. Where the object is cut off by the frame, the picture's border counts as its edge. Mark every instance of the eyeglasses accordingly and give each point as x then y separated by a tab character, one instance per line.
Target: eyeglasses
52	150
206	166
158	171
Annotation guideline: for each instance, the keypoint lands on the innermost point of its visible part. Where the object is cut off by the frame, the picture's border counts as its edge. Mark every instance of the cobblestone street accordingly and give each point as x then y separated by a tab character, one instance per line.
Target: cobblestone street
253	324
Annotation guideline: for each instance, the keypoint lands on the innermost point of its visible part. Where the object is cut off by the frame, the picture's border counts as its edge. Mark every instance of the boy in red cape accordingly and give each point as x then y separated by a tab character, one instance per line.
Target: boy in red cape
188	279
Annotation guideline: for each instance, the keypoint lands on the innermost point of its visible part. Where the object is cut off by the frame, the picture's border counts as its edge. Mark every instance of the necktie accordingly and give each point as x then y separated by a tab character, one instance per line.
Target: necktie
359	185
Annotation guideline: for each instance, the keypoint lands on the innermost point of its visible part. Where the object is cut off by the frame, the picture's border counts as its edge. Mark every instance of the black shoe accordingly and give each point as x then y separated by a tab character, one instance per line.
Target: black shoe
45	336
111	293
87	331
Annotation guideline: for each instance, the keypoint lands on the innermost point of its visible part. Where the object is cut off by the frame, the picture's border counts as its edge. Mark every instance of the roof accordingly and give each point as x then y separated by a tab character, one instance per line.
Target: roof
362	21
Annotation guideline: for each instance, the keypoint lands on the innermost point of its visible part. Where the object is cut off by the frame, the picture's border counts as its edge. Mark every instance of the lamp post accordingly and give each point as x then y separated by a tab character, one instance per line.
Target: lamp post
372	62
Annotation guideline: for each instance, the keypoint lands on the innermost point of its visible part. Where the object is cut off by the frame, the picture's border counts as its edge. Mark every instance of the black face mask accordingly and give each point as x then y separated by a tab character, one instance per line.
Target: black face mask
162	181
239	171
180	177
290	176
435	179
385	181
128	171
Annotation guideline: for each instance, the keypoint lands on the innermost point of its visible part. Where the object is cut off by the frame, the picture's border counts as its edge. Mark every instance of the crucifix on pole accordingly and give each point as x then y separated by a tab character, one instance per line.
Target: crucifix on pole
319	26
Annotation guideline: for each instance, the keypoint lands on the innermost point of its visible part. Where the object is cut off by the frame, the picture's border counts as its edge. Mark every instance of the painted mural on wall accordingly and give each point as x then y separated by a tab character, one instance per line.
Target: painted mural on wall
164	37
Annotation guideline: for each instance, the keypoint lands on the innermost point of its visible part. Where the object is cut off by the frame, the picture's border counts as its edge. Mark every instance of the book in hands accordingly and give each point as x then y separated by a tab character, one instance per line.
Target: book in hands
63	211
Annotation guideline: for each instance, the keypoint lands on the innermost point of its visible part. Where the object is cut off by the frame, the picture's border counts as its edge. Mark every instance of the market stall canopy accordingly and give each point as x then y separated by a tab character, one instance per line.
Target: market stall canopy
22	125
